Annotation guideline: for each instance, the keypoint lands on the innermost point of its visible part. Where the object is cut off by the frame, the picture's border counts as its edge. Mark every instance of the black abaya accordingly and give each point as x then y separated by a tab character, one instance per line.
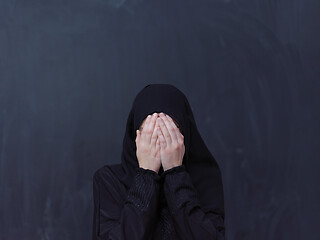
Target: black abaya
184	202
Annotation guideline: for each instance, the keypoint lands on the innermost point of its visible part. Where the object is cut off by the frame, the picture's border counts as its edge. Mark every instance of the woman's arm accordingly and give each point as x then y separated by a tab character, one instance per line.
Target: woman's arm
191	221
137	215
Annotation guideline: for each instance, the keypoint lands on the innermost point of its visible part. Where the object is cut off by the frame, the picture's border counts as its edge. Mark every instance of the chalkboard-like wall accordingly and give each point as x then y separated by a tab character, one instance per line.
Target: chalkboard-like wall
69	71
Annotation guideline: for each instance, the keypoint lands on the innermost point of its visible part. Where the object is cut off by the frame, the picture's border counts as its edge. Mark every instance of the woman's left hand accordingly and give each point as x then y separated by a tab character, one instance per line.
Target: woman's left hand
171	141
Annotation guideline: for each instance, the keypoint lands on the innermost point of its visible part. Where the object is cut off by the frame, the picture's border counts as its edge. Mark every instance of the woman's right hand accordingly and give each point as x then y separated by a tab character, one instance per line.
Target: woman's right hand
148	144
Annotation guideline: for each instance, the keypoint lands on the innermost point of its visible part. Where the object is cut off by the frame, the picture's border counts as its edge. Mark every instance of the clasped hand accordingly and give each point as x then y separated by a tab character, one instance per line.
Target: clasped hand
159	143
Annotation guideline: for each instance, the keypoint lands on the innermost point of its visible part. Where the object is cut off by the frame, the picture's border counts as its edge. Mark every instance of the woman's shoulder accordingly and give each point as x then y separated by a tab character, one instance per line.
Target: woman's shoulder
107	179
107	185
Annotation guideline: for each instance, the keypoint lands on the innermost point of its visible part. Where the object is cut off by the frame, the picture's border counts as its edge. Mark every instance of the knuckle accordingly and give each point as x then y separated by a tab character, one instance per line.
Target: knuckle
145	150
176	146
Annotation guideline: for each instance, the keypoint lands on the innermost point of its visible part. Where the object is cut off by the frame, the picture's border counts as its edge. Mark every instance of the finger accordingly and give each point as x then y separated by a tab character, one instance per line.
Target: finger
158	146
164	131
168	131
175	128
157	126
154	137
172	128
150	127
143	131
162	140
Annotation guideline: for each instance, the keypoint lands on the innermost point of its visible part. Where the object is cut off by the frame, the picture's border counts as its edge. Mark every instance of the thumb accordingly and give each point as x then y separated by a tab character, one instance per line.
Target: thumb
138	136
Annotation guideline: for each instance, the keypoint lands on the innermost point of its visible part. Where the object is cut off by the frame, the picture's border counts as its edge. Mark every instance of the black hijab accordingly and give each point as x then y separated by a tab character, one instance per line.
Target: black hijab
199	162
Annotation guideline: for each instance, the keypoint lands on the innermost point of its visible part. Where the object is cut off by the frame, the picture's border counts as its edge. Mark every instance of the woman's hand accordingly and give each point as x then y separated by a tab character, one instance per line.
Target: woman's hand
148	145
171	141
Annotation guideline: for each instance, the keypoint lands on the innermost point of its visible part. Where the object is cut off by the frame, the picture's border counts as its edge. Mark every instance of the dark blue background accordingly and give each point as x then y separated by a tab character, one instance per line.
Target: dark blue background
69	70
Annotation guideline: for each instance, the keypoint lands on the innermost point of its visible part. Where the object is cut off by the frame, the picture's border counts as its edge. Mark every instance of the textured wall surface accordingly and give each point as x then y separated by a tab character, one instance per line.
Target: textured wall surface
69	71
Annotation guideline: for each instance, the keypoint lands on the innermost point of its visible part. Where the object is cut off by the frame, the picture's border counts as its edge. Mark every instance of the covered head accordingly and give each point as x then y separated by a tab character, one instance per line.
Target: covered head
199	162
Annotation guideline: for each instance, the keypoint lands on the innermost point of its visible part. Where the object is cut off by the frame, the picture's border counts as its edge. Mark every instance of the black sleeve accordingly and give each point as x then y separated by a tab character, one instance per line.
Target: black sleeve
137	215
190	219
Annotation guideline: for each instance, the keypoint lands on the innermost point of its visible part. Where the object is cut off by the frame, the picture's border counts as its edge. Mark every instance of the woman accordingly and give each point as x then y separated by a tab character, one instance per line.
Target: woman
168	185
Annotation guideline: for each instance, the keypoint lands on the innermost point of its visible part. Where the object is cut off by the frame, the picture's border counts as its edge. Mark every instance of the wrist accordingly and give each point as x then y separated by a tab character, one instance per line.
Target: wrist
166	168
173	170
149	169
